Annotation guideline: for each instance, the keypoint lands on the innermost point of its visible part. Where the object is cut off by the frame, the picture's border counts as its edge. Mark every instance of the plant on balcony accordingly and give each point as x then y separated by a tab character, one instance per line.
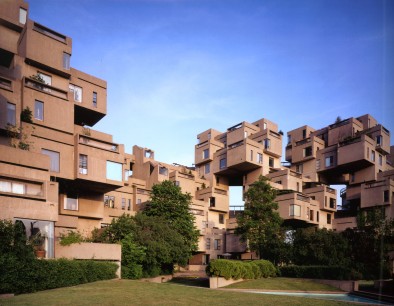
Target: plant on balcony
19	137
27	115
71	237
37	77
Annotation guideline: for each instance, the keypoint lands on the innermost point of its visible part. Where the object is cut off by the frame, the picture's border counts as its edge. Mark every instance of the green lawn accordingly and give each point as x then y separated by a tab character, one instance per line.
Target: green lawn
128	292
282	283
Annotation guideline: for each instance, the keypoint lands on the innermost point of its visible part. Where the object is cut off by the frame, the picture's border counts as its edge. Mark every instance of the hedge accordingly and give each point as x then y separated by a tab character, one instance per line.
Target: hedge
320	272
241	269
17	276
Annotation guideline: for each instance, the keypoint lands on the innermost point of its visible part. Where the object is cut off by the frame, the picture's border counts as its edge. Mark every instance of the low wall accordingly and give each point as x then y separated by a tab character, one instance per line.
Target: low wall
218	282
196	268
95	251
344	285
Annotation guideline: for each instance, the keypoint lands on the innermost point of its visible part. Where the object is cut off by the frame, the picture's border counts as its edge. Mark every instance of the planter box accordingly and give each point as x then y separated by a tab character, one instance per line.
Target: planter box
218	282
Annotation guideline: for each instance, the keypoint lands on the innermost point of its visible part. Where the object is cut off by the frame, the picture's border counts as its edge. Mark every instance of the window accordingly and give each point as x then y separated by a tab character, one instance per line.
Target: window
271	162
76	92
207	168
217	244
303	133
94	99
329	161
295	210
205	153
212	202
22	15
328	218
221	218
299	168
66	61
311	215
11	113
209	135
379	140
352	177
372	155
259	158
109	201
267	143
386	196
139	201
163	170
223	163
288	139
208	243
265	126
70	203
367	153
380	160
332	203
114	171
123	203
83	164
39	110
317	216
129	204
47	78
55	159
308	151
18	187
177	183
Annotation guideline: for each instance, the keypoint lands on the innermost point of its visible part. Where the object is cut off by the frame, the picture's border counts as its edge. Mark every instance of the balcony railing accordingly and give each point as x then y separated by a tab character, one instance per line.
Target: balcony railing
98	144
46	88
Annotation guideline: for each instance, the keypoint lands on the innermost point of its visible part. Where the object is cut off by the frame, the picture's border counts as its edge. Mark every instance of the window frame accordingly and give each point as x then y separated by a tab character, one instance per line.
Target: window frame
11	113
53	167
37	114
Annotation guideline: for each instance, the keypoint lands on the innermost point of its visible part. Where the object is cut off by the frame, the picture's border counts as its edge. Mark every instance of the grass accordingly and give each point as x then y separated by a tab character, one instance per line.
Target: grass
282	283
128	292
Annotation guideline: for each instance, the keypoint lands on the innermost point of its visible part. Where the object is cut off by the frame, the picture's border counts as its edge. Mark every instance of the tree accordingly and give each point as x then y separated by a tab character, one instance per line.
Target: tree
168	202
259	224
370	243
312	246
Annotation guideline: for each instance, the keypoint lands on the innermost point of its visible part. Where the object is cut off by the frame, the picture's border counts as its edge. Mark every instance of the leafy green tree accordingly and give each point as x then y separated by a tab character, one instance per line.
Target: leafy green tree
370	243
259	224
313	246
168	202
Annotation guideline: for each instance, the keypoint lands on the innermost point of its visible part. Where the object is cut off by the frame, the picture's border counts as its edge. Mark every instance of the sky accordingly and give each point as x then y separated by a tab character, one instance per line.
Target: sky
175	68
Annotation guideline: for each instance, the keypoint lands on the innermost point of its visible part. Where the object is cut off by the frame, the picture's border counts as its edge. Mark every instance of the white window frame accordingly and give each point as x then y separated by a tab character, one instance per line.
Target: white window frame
66	60
55	159
22	15
77	92
295	210
70	203
38	113
83	164
11	113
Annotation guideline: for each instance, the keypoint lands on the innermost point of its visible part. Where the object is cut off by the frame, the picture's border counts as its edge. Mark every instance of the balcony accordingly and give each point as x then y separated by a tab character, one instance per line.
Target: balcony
45	88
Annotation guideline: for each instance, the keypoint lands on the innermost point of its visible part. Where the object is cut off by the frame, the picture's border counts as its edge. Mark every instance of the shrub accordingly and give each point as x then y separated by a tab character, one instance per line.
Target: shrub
320	272
70	238
238	269
18	276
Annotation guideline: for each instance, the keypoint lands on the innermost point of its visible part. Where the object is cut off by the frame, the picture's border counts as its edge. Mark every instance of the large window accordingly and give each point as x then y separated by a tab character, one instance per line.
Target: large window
223	163
66	61
205	153
163	170
308	151
328	218
259	158
70	203
22	15
20	187
39	110
217	244
76	91
207	168
267	143
114	171
221	218
11	113
109	201
329	161
55	159
372	155
123	203
208	243
271	162
47	78
83	164
295	210
299	168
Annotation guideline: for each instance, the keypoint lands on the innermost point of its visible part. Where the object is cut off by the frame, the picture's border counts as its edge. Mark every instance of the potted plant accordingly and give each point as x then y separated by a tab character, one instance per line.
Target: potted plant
37	242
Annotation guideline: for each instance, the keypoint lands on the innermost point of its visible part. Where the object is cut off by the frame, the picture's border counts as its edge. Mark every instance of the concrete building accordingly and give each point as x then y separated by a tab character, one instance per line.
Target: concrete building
59	174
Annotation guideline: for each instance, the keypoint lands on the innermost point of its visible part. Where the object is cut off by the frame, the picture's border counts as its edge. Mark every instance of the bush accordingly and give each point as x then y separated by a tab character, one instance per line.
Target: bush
320	272
238	269
17	276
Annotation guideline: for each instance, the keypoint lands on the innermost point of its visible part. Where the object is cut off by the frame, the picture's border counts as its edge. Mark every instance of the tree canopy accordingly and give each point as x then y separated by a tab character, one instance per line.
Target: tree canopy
168	202
259	224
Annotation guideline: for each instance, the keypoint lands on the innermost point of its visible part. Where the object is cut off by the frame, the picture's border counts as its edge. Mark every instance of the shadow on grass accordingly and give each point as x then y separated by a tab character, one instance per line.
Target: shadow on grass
191	281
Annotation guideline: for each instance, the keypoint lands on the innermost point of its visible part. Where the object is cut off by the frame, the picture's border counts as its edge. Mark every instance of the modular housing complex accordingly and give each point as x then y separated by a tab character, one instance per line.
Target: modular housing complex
58	174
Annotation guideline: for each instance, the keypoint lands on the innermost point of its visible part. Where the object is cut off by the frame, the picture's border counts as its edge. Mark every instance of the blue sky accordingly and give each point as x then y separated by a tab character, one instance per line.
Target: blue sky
178	67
